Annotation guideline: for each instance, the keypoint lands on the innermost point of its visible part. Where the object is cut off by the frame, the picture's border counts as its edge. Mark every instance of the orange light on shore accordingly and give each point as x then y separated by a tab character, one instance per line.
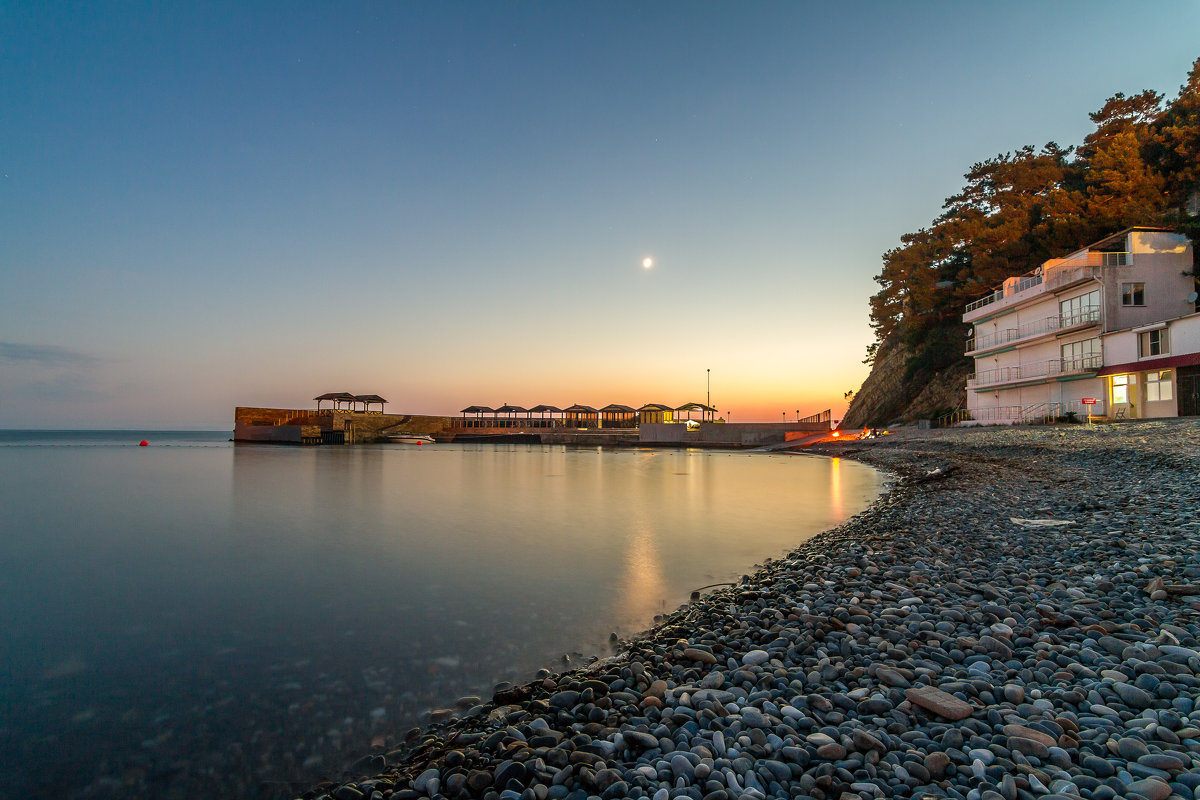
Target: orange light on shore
837	434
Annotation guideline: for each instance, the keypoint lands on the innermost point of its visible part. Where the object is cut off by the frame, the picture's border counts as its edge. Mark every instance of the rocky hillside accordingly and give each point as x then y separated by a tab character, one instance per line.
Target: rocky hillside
887	395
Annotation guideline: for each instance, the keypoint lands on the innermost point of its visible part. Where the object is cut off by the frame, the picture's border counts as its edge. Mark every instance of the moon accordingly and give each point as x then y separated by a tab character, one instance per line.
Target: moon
647	262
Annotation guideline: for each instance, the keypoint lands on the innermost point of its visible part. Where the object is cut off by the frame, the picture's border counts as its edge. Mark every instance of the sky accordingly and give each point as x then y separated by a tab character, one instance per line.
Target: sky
207	204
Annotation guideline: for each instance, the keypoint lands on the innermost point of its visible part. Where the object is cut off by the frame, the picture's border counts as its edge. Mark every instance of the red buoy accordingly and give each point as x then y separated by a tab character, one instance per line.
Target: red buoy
143	443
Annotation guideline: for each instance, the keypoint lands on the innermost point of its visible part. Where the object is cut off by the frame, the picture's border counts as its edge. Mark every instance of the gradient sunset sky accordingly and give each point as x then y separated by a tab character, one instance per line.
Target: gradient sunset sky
205	205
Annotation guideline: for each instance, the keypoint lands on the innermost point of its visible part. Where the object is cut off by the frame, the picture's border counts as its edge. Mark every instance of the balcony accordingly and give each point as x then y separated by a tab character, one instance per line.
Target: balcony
1084	318
977	344
987	300
1035	372
1053	274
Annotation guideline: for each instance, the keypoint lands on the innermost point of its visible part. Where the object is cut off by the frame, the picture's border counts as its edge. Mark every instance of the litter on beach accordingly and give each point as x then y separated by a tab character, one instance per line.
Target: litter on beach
1041	523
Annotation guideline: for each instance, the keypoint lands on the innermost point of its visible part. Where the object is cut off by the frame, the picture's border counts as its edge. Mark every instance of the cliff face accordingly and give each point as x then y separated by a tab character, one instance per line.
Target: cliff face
887	396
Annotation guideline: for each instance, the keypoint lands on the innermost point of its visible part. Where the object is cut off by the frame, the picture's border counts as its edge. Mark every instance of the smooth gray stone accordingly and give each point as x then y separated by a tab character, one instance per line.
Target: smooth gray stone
1133	696
756	657
1097	766
754	718
1164	761
1132	749
1151	788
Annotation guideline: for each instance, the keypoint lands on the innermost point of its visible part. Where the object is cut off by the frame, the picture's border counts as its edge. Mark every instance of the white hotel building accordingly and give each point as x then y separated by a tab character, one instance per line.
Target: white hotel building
1115	322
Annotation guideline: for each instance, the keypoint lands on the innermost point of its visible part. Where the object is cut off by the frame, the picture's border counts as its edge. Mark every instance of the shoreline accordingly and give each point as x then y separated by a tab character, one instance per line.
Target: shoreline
807	678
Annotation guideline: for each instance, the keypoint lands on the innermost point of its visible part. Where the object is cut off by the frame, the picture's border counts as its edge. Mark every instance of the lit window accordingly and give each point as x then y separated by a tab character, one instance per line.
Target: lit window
1153	343
1121	385
1158	386
1133	294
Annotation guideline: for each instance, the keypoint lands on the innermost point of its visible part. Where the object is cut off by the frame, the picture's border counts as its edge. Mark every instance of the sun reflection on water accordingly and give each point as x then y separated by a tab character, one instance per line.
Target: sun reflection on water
835	489
643	587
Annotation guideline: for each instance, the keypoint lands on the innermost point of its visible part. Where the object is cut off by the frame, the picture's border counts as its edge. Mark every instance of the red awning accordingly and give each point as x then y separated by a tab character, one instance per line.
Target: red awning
1167	362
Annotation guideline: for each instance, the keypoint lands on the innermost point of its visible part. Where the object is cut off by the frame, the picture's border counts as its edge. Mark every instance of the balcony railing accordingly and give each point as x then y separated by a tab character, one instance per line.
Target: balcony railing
1032	414
1034	370
991	340
1092	258
1053	274
1027	282
986	300
1087	316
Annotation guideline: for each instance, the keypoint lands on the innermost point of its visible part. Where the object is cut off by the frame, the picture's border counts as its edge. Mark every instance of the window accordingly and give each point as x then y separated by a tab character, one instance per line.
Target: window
1153	343
1158	386
1121	385
1133	294
1084	308
1081	355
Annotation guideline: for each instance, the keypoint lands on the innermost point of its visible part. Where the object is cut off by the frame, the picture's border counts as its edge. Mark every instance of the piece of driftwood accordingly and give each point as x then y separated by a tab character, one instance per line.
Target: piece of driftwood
936	474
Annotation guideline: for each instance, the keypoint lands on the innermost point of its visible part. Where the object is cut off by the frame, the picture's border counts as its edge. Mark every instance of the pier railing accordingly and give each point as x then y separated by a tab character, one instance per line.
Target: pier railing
820	416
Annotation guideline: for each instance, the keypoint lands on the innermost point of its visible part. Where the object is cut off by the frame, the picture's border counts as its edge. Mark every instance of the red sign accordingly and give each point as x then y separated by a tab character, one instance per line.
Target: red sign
1088	401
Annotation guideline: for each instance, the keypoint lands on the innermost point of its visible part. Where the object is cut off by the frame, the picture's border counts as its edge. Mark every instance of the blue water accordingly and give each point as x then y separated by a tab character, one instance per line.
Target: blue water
197	618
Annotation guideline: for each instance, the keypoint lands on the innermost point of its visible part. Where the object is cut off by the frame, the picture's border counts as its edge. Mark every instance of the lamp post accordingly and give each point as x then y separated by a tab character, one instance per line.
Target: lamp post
797	415
708	390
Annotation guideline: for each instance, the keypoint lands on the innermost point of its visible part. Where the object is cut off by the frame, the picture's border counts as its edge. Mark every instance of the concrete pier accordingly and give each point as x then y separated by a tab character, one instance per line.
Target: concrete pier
309	427
328	426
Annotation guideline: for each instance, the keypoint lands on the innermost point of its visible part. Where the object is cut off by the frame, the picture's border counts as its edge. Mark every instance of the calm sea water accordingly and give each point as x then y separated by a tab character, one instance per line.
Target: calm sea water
195	617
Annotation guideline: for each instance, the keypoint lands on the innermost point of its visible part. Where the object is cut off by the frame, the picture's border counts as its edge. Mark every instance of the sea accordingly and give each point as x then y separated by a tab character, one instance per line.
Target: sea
198	618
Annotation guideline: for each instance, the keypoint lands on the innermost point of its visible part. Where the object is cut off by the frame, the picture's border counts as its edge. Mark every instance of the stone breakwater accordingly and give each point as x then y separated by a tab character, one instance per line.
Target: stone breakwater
1014	619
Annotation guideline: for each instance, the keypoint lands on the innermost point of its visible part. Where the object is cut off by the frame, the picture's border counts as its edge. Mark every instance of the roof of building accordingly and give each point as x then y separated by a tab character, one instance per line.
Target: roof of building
655	407
1113	238
507	409
369	398
614	408
544	408
336	396
578	408
477	410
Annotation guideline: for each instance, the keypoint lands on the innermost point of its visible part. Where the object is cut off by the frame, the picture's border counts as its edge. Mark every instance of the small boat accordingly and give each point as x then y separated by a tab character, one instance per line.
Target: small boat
410	438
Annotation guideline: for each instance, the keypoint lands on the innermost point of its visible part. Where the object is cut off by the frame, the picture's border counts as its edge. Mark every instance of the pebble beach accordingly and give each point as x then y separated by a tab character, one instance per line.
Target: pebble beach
1015	618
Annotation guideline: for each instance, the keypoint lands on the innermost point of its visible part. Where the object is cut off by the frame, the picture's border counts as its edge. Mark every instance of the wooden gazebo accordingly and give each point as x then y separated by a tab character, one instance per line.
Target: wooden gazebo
337	398
618	416
477	412
581	416
369	400
512	410
542	410
655	412
707	413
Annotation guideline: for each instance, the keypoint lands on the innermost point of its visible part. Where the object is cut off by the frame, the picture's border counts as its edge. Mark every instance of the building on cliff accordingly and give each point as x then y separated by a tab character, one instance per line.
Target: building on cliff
1115	323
